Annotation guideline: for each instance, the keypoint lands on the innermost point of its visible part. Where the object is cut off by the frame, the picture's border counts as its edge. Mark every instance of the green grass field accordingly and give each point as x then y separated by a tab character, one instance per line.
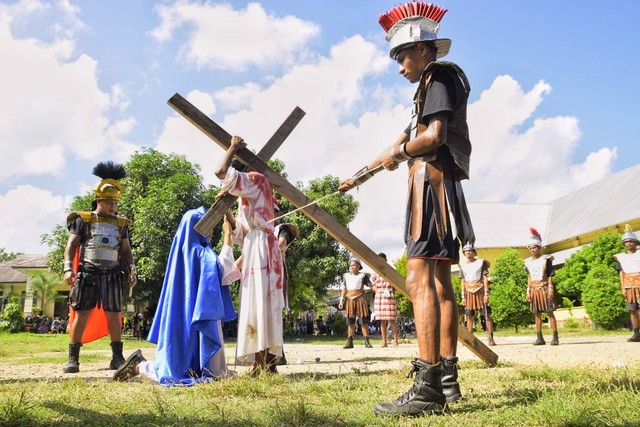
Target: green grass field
507	395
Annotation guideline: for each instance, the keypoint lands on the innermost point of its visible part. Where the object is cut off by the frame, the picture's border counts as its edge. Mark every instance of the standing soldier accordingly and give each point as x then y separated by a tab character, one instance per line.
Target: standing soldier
540	290
437	148
629	268
352	298
99	243
474	274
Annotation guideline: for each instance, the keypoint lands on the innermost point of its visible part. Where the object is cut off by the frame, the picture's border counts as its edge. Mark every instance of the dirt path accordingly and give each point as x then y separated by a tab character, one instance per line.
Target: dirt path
600	351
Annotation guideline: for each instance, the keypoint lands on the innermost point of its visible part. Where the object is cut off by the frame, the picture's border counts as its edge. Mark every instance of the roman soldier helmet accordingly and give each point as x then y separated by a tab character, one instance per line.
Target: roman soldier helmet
110	187
535	239
468	247
629	235
414	22
357	261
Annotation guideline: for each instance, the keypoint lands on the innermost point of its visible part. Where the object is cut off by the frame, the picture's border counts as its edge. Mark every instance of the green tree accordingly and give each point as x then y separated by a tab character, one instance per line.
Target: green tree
7	256
405	306
316	260
508	291
570	278
44	287
602	298
11	319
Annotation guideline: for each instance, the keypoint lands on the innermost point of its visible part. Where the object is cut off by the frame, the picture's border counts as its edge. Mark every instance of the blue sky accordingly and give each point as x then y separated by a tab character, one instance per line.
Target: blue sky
553	104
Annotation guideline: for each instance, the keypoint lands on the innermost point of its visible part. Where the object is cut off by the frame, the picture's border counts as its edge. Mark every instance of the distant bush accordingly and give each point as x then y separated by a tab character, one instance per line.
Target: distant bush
340	325
11	319
602	298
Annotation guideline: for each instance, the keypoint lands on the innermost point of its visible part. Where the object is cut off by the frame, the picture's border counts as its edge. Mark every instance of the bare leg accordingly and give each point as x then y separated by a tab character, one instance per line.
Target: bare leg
79	325
351	330
552	321
365	329
538	322
469	323
426	308
448	310
394	329
383	328
634	319
113	323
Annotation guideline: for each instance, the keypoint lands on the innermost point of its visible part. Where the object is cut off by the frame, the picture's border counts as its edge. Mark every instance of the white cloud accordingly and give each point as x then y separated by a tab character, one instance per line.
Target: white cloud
225	38
519	157
52	100
27	212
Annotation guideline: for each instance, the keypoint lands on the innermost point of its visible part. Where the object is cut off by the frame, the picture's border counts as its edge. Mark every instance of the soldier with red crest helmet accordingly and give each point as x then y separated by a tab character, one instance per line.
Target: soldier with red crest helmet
437	149
540	287
99	243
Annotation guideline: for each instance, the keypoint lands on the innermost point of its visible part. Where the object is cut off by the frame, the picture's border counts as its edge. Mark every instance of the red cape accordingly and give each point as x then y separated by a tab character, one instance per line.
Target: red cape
97	326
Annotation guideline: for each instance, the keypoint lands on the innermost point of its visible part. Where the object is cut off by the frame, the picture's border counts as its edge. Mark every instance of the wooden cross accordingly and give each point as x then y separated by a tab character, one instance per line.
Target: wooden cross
317	215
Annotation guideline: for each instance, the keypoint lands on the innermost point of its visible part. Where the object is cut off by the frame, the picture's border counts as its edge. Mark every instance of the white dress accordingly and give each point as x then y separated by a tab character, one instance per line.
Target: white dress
261	294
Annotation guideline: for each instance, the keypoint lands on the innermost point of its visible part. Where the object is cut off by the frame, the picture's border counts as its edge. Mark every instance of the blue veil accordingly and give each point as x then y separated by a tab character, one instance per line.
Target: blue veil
192	301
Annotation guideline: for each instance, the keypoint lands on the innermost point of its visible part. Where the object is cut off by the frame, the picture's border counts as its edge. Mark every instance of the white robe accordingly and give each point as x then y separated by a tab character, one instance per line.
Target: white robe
261	295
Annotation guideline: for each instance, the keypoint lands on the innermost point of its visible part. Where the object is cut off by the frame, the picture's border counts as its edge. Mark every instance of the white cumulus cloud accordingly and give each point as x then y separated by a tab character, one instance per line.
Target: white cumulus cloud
226	38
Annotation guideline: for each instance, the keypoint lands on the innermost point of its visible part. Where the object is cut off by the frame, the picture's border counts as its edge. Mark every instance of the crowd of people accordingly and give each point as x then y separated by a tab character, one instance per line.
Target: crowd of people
46	324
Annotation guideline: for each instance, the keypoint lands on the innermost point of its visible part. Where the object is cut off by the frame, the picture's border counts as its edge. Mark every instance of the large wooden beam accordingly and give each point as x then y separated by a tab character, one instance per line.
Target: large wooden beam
321	218
214	214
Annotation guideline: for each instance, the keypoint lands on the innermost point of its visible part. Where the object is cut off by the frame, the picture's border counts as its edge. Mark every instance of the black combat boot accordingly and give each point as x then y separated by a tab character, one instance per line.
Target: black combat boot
73	365
554	340
349	343
424	397
540	340
367	344
117	359
635	337
128	369
450	386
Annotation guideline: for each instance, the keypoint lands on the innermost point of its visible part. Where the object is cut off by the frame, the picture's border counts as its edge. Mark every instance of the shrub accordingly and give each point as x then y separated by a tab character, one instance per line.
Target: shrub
602	298
340	325
11	319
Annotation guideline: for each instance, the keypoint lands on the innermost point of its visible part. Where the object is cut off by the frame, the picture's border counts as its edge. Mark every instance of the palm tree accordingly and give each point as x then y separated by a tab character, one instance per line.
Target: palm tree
44	287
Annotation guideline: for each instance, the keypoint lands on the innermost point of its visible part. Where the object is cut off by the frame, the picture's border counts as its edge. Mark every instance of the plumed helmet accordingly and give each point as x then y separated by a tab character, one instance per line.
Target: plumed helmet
535	239
110	187
414	22
629	235
468	247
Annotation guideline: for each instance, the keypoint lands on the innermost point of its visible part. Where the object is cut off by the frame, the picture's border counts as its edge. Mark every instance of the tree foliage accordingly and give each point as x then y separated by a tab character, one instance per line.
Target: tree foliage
508	291
11	319
316	260
571	277
7	256
602	298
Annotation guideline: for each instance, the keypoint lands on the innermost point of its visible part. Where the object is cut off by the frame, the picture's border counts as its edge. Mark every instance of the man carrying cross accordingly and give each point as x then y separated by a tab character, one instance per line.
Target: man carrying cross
261	285
437	148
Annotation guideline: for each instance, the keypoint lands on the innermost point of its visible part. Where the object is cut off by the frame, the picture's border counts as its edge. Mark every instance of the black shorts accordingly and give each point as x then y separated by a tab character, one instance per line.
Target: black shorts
92	290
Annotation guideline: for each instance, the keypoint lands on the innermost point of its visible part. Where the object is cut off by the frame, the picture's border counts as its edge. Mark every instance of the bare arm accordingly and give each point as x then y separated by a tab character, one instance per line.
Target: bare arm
127	256
237	143
69	253
402	149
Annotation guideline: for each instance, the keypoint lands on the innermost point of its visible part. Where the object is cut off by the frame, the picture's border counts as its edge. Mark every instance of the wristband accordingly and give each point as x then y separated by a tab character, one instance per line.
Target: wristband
399	153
